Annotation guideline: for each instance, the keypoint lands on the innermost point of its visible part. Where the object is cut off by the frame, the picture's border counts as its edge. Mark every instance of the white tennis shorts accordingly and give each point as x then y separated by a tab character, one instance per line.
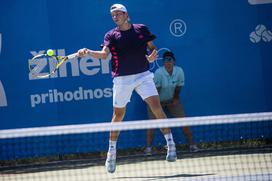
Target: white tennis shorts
123	87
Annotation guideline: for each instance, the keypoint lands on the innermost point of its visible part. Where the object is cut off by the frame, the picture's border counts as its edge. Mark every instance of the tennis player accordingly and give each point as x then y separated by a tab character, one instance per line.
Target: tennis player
128	44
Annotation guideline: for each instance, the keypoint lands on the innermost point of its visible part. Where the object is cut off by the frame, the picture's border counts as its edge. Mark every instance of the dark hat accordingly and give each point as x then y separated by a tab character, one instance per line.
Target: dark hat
168	54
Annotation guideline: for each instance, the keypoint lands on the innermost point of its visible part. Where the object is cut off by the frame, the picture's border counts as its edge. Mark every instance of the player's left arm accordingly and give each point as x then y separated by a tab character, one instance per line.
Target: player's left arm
154	53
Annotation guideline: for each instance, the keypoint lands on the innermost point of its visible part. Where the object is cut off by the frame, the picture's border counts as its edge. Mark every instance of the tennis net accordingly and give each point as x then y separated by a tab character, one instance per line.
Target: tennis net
227	147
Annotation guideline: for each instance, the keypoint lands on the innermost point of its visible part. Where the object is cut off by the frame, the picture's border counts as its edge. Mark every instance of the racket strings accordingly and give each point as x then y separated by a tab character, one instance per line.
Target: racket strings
43	65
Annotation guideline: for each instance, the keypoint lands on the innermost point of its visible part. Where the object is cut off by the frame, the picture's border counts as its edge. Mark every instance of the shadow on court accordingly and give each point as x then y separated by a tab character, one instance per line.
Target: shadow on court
166	177
123	160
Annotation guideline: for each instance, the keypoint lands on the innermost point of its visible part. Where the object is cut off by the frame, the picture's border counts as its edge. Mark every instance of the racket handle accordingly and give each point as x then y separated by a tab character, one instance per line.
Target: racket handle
72	55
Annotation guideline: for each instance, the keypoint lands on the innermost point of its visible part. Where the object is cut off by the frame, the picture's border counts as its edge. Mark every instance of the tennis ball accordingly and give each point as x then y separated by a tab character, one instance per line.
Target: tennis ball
50	52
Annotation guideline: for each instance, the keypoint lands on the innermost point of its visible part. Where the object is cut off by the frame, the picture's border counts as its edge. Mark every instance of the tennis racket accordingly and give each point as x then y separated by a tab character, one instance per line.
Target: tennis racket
43	65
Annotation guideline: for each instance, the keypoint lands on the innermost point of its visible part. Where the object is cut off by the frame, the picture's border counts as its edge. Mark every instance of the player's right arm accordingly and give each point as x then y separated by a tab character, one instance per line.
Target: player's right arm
102	54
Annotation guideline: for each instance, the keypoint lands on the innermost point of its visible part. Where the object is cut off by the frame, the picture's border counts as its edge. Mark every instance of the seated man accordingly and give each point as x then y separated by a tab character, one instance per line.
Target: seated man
169	79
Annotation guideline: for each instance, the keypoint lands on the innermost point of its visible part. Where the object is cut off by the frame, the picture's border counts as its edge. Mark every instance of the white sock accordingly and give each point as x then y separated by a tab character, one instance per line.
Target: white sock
112	147
169	140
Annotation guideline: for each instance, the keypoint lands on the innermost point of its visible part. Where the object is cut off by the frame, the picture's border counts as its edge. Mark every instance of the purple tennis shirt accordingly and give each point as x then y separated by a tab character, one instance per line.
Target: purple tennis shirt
128	49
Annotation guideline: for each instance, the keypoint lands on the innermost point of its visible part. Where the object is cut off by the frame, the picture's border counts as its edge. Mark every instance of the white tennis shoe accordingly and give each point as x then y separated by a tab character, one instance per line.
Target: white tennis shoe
171	153
111	162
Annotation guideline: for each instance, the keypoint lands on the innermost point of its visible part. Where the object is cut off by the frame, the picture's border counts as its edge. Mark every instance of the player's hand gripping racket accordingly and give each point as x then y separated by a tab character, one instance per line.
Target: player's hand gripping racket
44	65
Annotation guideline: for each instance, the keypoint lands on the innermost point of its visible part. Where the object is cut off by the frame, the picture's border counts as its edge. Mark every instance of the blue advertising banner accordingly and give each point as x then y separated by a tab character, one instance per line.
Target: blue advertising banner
224	48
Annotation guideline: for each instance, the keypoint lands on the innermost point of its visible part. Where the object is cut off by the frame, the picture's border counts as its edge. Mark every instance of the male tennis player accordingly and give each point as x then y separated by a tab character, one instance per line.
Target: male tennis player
128	45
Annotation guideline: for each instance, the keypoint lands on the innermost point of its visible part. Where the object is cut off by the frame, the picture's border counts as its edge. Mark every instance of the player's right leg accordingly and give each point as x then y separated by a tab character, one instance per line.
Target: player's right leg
118	115
121	96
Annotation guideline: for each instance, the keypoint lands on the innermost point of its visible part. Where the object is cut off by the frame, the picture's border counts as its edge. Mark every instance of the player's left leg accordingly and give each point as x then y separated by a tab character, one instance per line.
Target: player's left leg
148	92
155	106
177	111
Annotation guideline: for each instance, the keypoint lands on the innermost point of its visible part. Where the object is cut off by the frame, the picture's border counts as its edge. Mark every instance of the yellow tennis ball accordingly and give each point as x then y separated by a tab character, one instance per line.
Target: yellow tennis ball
50	52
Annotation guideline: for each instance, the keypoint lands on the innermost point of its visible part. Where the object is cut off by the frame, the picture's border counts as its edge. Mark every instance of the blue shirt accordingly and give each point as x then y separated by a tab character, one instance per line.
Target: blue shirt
167	83
128	49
